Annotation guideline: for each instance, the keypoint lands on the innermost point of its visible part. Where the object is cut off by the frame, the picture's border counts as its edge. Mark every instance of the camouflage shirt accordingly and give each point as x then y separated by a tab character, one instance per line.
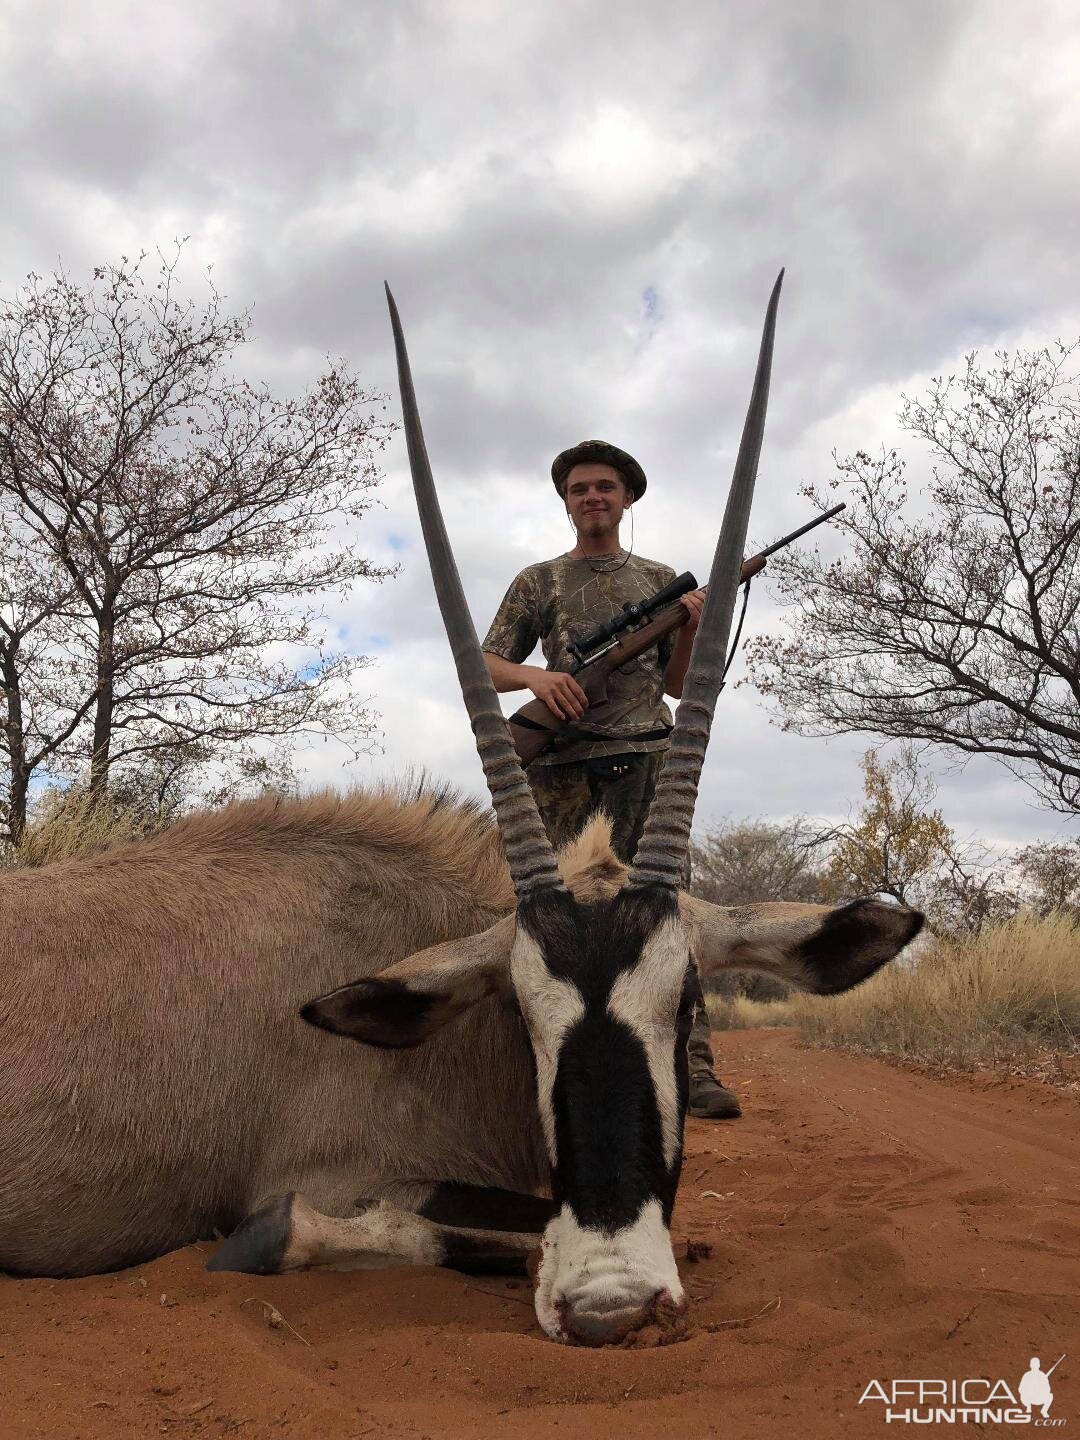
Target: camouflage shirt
561	600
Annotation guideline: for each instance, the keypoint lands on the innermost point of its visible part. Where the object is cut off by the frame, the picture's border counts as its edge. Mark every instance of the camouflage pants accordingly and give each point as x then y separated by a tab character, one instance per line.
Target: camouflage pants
623	785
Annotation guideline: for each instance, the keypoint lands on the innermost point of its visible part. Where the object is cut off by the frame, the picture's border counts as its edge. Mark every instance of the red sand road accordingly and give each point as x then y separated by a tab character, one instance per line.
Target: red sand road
910	1227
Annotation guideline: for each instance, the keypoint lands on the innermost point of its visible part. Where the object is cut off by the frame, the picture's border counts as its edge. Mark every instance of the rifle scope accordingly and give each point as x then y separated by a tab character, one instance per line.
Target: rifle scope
632	613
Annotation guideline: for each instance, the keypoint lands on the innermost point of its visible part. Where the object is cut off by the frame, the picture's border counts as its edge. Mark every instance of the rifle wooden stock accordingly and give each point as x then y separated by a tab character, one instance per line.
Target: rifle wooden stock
533	727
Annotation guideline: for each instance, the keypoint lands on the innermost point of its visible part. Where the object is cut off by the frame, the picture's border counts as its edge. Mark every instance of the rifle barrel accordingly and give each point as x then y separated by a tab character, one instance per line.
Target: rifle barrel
630	615
810	525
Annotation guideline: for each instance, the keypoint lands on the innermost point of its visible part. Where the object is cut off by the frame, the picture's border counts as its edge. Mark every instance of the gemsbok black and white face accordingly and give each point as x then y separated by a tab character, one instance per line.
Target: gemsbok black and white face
606	992
605	995
601	966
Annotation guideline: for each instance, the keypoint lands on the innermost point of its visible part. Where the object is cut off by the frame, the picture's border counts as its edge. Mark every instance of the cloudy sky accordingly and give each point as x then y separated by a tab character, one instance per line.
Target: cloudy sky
581	207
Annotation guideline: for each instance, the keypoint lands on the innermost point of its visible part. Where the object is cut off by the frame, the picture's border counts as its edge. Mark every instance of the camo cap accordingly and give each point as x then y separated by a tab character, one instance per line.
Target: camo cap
599	451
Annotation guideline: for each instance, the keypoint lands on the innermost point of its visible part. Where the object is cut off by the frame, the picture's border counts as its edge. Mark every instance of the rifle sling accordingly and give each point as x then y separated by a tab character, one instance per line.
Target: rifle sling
569	733
528	724
661	733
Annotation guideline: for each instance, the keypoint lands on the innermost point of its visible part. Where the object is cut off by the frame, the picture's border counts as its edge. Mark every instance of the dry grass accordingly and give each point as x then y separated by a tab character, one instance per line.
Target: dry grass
1008	996
69	823
736	1012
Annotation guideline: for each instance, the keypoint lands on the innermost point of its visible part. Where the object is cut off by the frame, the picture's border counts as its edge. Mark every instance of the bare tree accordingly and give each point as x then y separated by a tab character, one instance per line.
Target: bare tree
1050	876
955	619
187	521
745	861
35	598
968	891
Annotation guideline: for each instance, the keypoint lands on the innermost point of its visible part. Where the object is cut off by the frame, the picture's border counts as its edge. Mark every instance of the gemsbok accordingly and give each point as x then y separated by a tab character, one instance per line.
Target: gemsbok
520	1082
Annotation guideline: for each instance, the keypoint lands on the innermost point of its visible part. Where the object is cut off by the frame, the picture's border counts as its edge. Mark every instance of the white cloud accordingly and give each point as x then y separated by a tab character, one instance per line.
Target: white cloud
618	157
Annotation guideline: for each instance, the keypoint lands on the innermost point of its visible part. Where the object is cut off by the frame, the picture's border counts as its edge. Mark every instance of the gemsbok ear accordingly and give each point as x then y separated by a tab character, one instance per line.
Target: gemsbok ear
820	948
408	1001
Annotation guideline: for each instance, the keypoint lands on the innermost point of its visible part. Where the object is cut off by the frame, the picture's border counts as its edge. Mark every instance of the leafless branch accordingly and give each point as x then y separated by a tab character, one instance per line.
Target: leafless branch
167	533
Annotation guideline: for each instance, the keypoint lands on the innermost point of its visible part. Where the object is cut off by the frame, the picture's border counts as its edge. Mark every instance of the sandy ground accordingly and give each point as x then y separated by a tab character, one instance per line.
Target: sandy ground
876	1222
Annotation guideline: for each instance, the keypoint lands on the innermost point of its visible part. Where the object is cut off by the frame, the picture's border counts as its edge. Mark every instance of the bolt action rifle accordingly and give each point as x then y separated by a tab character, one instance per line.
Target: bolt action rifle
638	627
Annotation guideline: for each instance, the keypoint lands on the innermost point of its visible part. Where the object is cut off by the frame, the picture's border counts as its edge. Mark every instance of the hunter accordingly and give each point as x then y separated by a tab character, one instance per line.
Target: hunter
610	757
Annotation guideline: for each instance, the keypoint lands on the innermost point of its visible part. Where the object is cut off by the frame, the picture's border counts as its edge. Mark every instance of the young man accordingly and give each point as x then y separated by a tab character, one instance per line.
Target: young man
610	757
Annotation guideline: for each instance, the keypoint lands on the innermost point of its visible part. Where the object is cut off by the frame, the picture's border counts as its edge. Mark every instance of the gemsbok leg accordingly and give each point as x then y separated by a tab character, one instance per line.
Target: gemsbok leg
289	1233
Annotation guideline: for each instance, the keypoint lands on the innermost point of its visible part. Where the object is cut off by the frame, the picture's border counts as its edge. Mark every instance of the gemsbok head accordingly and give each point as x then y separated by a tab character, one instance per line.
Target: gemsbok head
602	978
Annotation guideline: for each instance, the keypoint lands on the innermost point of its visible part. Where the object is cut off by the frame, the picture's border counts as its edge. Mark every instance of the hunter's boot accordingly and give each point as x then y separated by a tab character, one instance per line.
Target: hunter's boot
709	1100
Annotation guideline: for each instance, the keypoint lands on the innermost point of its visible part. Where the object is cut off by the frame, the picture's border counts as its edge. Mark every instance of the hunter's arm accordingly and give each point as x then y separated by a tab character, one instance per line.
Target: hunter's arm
694	604
505	675
677	666
560	692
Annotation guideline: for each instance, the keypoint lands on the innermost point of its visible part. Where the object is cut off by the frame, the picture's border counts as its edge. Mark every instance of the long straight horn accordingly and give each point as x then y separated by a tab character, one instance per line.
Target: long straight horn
661	852
528	850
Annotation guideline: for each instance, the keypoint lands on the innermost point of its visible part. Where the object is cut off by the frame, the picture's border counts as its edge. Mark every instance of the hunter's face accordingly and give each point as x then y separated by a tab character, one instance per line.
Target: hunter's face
596	497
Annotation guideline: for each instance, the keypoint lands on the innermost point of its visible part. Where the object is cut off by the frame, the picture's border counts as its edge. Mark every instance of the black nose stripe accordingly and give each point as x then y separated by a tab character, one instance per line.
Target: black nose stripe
609	1145
609	1151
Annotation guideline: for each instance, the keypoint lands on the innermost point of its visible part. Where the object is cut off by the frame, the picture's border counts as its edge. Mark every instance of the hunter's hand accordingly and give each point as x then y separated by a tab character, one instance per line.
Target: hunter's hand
561	693
693	604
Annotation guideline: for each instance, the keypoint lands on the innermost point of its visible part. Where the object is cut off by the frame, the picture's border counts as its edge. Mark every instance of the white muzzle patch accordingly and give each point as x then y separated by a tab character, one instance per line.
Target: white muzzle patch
594	1288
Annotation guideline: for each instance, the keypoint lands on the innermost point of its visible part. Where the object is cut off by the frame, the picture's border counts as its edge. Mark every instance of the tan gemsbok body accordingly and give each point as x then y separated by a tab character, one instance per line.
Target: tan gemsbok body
521	1076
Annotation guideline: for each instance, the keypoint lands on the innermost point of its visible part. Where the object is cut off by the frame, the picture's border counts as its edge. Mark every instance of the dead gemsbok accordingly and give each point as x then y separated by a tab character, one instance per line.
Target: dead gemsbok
521	1079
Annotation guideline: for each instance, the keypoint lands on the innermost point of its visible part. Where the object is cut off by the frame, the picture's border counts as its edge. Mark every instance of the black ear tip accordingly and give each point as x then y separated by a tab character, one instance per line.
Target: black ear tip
311	1013
328	1011
856	940
908	921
